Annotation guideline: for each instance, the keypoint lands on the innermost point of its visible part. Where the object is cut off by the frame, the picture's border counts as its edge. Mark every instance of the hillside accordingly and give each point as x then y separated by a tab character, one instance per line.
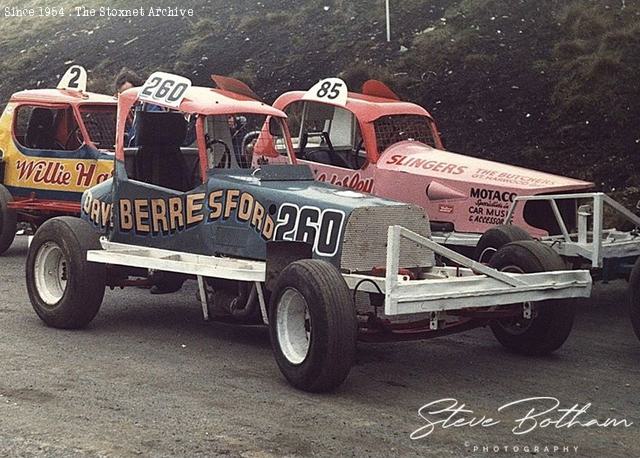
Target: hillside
543	83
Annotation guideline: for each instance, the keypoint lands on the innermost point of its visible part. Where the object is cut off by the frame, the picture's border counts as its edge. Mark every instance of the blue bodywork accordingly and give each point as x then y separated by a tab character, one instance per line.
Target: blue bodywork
235	213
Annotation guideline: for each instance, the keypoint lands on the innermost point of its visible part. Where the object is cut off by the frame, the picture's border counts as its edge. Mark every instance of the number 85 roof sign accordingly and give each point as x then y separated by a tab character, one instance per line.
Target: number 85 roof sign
330	90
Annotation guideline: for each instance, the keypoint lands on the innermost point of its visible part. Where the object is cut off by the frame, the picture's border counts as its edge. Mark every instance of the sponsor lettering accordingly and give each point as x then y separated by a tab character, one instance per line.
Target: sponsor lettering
511	178
321	228
426	164
355	181
43	172
96	211
491	206
489	194
169	215
55	173
87	175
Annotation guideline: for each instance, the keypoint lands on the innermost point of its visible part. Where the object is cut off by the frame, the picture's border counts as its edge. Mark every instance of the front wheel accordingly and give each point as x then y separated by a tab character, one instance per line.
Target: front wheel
313	325
65	289
551	321
634	297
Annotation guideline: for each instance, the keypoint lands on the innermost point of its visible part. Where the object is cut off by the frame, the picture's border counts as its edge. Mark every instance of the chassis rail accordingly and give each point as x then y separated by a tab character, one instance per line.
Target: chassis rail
473	285
441	289
591	241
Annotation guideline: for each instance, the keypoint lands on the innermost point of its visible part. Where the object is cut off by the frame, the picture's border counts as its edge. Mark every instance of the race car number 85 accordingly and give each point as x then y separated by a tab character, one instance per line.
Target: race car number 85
321	228
165	89
330	90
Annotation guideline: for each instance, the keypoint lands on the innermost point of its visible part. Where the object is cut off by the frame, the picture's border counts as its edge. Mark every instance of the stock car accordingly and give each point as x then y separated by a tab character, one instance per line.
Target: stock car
374	142
319	264
54	144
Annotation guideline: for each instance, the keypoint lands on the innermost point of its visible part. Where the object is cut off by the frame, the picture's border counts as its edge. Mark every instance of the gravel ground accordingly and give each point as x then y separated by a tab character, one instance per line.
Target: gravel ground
148	377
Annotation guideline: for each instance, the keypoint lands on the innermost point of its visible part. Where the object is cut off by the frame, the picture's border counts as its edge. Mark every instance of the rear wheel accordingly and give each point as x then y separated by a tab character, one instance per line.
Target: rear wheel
551	321
8	220
313	325
634	297
495	238
65	289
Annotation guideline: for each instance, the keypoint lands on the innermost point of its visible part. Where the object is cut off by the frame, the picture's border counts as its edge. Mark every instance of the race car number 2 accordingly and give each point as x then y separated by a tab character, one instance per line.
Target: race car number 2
322	228
165	89
75	78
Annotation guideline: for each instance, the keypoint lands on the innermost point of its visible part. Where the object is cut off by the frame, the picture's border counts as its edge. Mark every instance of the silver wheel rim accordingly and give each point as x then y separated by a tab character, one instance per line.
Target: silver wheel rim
293	326
50	273
518	325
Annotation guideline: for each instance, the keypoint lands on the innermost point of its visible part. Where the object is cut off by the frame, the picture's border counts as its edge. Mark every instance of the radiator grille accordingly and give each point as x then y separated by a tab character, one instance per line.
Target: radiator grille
365	238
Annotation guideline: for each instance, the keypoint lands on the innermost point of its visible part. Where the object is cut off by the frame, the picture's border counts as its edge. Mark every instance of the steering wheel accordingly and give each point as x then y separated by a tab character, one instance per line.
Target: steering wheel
74	136
356	153
225	163
325	136
246	154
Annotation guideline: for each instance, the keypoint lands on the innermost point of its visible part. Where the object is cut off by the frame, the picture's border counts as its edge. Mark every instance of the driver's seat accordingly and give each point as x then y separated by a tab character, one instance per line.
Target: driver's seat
159	160
326	156
40	134
319	155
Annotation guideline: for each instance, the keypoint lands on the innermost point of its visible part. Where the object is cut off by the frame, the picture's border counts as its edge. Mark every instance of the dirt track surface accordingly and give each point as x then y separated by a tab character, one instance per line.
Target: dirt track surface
150	378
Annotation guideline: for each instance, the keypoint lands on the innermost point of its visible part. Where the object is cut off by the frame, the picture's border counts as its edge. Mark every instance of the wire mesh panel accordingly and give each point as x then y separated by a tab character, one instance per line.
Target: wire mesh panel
101	127
397	128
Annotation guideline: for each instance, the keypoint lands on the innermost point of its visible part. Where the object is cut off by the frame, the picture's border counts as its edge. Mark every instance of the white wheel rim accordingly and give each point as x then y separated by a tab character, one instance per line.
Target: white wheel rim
50	273
293	326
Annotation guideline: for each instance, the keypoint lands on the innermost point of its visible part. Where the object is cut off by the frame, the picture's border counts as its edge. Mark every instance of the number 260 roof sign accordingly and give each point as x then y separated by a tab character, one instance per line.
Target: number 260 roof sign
164	89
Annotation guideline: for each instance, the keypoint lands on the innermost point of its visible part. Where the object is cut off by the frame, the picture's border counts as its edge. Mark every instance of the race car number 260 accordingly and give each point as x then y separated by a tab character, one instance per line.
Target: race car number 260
306	224
165	89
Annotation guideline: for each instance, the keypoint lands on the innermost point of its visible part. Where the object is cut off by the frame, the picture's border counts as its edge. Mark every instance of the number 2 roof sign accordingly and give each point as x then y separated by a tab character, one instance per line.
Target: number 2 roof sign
75	78
165	89
330	90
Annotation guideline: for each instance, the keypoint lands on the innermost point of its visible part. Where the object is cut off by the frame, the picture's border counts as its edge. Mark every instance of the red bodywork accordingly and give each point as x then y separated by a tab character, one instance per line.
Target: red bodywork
201	101
56	98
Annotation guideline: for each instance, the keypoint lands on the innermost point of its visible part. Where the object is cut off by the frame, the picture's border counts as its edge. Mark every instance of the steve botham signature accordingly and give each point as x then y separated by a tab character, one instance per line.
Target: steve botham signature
531	414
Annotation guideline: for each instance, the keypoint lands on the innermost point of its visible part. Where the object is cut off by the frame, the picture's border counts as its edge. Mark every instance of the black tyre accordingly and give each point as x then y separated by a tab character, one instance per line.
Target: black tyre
8	220
551	320
313	325
65	289
634	297
495	238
